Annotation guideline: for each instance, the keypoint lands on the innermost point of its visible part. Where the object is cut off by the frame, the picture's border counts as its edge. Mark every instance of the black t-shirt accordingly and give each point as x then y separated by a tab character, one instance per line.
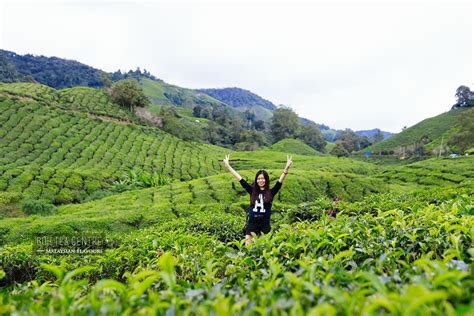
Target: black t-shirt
261	209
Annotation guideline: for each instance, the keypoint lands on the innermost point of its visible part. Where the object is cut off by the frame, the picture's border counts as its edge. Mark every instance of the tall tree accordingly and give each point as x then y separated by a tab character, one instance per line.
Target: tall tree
128	93
311	135
349	140
284	124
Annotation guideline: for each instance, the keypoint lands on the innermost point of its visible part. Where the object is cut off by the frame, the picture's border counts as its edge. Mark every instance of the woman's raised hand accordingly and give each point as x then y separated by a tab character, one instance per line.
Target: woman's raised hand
289	162
226	161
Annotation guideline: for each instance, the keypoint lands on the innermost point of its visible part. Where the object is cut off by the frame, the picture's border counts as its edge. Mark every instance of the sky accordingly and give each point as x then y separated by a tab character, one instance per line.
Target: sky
357	65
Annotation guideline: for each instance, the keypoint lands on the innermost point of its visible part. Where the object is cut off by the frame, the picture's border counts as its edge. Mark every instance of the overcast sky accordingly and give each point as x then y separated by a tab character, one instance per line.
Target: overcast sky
352	65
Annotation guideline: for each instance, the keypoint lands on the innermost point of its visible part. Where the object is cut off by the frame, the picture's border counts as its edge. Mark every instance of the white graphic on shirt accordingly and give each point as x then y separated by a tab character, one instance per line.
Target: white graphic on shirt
259	205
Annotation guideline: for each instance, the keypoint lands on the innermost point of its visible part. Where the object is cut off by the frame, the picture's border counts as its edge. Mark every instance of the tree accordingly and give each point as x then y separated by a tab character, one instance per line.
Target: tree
259	125
349	140
462	96
284	124
339	150
250	140
106	81
249	117
128	93
197	111
377	137
311	135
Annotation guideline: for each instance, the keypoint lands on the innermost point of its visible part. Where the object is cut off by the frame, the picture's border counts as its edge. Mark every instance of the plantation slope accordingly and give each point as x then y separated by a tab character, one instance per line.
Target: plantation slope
435	128
95	102
135	209
433	172
64	156
269	159
140	208
162	93
38	92
294	146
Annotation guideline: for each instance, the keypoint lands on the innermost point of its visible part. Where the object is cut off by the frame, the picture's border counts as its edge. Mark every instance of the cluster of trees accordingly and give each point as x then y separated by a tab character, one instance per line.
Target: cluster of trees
464	97
417	149
137	74
248	133
59	73
286	124
238	97
52	71
349	142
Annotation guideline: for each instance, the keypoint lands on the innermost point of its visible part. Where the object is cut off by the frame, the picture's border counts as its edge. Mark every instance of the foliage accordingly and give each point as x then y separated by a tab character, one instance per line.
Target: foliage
384	261
136	178
9	204
348	236
339	150
37	207
463	139
48	152
311	135
238	97
438	129
128	93
285	123
51	71
464	97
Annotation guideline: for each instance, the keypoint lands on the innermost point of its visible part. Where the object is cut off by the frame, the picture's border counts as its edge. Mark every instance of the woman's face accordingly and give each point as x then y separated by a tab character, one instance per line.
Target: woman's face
261	181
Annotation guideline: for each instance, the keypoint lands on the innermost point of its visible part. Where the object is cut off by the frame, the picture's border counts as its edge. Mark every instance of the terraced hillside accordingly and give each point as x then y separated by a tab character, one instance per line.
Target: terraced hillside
161	93
434	130
47	152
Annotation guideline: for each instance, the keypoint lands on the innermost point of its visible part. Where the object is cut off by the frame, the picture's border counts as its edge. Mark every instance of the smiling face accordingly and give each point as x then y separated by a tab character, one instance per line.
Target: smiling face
261	181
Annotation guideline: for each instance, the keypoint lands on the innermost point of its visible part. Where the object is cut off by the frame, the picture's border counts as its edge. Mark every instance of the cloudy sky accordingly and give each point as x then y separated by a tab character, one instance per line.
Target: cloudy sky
357	65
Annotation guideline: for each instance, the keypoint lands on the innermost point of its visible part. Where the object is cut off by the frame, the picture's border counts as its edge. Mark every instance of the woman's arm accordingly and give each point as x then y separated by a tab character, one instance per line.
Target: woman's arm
227	164
289	162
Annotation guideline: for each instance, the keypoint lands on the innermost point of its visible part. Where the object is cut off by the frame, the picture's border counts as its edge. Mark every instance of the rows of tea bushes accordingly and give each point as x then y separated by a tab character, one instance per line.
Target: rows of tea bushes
432	172
384	260
27	91
62	157
92	101
82	99
140	208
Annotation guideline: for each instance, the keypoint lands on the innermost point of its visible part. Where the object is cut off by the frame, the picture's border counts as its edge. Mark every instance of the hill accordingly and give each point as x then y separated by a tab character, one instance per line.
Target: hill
51	71
66	145
370	133
293	146
238	97
161	93
430	132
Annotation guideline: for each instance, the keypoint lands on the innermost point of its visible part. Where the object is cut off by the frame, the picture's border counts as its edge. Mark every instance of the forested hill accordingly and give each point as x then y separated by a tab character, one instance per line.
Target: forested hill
52	71
58	73
238	97
372	132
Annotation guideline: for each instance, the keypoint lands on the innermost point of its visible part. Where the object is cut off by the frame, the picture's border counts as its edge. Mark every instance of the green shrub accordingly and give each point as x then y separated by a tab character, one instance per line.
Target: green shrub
37	207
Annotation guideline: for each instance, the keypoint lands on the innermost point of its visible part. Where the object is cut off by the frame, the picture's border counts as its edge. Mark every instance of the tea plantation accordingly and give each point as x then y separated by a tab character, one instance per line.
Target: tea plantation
348	237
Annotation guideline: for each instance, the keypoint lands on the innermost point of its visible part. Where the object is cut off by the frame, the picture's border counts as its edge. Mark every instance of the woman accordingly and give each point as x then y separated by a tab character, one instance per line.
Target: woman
261	197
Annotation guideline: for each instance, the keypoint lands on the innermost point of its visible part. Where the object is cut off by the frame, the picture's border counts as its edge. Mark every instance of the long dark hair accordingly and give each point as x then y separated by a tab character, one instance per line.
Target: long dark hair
267	194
